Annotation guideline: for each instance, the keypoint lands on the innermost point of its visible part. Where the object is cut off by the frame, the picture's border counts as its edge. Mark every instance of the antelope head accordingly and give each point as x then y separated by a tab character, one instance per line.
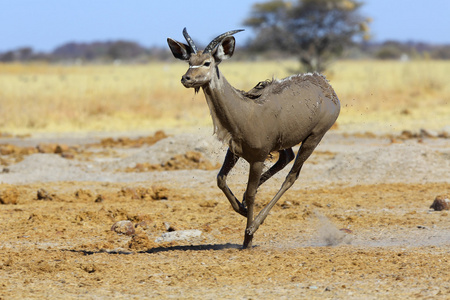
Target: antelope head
202	64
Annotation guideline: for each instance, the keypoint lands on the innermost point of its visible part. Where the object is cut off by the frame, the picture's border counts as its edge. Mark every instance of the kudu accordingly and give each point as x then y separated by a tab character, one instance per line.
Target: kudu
274	116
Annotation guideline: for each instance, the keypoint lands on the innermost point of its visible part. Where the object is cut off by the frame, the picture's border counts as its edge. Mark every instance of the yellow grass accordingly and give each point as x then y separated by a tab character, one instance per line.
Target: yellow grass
392	96
375	96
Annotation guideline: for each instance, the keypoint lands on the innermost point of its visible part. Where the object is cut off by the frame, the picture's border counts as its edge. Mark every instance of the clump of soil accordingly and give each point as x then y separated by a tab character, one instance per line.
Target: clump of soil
188	161
140	241
8	149
14	154
404	135
9	195
82	194
127	142
153	193
423	133
11	154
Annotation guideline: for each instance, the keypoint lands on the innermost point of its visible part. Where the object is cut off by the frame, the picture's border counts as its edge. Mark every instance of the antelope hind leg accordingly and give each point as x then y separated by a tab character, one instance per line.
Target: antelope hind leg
286	156
306	149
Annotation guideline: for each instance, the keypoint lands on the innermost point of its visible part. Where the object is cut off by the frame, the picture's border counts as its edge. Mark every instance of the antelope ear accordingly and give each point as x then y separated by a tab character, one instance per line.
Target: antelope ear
225	49
179	50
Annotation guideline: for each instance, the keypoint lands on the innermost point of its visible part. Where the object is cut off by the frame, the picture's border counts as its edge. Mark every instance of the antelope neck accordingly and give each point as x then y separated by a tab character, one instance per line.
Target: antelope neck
227	107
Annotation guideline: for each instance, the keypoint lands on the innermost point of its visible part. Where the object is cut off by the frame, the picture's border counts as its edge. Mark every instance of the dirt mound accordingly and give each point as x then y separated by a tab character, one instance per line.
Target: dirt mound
12	154
127	142
189	160
165	149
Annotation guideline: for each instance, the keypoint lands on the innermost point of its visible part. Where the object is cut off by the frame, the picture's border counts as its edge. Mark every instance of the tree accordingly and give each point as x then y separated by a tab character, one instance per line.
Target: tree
21	54
315	30
125	50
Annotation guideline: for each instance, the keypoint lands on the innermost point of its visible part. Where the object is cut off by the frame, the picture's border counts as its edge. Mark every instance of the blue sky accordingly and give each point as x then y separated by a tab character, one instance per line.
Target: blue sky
46	24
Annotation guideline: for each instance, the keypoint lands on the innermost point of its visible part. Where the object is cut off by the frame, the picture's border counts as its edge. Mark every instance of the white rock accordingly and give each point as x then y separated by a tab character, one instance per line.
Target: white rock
180	235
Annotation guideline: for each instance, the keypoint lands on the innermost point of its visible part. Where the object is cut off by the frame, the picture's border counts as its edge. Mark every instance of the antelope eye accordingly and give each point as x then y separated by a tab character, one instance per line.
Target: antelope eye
207	63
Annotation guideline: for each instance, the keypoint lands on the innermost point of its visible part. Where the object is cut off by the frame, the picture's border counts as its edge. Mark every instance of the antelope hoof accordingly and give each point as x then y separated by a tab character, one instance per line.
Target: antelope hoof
247	241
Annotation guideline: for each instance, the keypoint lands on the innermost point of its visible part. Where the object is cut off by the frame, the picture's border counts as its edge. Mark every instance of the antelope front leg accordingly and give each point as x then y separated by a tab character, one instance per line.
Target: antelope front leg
252	186
306	149
228	164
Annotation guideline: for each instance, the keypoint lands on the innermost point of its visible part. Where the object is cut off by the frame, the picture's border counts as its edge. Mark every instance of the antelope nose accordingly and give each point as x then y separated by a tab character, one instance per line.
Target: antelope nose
185	78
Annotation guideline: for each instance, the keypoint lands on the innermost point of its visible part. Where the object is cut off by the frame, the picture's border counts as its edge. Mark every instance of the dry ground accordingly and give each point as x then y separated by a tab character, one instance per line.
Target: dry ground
356	225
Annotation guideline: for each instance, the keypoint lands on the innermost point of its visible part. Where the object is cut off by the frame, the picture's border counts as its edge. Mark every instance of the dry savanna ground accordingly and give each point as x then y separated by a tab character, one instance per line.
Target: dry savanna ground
108	189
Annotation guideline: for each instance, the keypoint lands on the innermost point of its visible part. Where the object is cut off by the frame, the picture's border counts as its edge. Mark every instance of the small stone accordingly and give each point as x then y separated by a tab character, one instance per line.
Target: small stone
209	203
169	227
317	204
129	192
160	193
405	112
286	204
60	149
428	133
100	198
46	148
441	202
67	155
44	195
123	227
83	194
406	134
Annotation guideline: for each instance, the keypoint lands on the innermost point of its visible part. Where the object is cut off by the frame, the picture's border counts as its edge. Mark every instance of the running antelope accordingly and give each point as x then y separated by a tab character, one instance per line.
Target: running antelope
274	116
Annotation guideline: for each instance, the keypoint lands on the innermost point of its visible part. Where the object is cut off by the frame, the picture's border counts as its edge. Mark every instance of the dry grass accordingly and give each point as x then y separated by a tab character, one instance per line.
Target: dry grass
375	95
392	96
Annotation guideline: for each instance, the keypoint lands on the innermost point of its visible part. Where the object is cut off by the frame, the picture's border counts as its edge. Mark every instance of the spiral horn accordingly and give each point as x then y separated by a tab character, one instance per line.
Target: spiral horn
218	39
190	41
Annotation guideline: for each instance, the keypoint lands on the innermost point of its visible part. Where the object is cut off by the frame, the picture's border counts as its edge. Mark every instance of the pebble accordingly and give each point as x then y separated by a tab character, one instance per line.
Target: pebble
124	227
43	195
441	203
